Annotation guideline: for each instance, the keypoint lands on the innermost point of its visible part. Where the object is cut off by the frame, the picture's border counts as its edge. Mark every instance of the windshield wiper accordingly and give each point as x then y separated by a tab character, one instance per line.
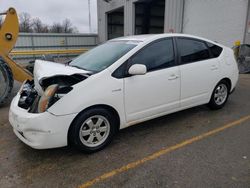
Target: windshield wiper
76	66
68	62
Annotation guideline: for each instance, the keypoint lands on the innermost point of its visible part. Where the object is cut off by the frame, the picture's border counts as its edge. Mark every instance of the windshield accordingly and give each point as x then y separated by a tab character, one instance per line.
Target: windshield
103	56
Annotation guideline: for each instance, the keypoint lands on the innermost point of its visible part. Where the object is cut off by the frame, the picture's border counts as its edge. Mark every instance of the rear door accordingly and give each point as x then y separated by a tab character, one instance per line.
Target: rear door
199	71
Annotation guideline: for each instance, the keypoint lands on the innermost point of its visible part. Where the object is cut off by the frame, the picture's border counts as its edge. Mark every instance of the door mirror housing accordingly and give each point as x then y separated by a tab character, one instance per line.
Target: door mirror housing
137	69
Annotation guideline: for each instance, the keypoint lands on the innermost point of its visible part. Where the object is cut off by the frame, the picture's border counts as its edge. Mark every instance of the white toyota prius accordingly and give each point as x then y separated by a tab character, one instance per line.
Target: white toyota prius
118	84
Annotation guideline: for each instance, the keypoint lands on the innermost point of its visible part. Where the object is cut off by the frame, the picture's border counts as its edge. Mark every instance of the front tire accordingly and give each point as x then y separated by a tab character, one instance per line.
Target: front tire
220	95
92	130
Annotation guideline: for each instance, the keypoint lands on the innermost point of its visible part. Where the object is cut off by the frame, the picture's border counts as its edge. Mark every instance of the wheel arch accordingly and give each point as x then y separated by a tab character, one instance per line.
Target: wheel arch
104	106
223	79
228	81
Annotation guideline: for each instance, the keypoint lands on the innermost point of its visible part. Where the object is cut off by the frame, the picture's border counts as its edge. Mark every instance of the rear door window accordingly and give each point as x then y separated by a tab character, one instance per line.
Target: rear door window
191	50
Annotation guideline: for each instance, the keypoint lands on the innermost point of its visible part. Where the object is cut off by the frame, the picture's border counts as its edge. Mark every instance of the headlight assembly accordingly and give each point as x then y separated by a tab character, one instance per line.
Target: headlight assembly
47	98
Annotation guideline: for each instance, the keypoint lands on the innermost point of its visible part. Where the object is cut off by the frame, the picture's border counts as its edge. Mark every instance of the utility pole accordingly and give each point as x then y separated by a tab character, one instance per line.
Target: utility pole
90	29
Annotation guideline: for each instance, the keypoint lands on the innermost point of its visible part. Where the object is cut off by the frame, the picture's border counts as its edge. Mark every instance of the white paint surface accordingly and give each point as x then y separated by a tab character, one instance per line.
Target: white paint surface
219	20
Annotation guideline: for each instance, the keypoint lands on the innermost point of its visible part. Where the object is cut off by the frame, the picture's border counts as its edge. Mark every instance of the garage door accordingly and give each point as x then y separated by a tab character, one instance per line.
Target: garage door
219	20
115	23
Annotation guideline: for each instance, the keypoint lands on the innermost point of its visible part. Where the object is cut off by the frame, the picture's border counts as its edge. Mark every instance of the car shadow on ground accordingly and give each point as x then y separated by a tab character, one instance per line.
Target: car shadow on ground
137	131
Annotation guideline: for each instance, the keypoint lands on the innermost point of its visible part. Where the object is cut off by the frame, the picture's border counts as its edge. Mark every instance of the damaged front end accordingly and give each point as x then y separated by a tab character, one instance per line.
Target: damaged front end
54	88
29	112
38	95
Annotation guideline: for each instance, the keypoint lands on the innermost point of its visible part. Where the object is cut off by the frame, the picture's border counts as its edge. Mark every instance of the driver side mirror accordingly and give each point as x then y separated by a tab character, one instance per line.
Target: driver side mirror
137	69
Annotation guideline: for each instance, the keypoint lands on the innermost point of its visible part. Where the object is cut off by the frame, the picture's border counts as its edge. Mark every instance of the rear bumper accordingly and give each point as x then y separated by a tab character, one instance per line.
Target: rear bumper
39	131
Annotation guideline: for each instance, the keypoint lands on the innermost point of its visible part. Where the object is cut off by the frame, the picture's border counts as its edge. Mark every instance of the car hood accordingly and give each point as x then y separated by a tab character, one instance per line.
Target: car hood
45	69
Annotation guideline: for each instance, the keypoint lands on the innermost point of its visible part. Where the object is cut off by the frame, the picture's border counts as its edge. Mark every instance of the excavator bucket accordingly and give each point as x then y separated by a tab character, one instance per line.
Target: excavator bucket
8	37
8	68
9	31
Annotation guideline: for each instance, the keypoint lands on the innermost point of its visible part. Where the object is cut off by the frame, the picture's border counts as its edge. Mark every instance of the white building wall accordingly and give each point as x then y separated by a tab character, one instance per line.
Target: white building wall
173	16
223	21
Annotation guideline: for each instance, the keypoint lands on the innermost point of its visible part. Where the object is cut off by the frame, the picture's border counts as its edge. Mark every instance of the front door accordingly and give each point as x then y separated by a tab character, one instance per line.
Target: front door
158	91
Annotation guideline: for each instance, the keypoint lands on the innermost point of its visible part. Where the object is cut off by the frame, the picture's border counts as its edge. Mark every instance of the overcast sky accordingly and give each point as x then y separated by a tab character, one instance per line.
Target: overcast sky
50	11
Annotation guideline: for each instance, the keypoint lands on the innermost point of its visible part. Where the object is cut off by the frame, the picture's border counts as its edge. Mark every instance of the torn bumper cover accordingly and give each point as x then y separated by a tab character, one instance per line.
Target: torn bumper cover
41	130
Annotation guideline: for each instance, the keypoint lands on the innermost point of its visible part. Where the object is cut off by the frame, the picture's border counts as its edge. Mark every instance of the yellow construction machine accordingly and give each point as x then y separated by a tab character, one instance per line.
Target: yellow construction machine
9	70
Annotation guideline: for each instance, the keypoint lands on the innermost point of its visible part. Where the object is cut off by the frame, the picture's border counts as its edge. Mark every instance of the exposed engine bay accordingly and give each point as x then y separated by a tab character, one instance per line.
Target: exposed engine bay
54	88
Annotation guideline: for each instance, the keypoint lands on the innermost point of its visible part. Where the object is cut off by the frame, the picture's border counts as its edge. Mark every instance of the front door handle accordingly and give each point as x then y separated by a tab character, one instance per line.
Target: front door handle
173	77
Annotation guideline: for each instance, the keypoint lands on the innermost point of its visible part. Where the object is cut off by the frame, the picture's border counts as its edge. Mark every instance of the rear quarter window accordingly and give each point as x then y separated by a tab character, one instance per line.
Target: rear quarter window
215	50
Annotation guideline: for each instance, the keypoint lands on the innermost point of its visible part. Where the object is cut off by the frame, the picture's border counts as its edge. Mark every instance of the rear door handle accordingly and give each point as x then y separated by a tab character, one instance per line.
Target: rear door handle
173	77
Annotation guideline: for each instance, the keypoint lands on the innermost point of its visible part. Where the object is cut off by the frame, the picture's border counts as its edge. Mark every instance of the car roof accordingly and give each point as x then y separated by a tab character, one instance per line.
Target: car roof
137	37
144	38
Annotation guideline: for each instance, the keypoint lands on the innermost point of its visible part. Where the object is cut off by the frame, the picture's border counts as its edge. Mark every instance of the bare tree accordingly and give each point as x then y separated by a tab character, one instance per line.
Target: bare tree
67	26
38	26
29	25
56	28
25	23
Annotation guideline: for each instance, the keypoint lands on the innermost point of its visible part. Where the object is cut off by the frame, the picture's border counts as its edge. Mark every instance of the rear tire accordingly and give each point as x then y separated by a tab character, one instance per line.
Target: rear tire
93	130
220	95
6	82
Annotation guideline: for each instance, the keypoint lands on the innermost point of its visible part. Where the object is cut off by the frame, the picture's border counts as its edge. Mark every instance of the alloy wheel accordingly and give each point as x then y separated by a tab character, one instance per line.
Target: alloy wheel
220	95
94	131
